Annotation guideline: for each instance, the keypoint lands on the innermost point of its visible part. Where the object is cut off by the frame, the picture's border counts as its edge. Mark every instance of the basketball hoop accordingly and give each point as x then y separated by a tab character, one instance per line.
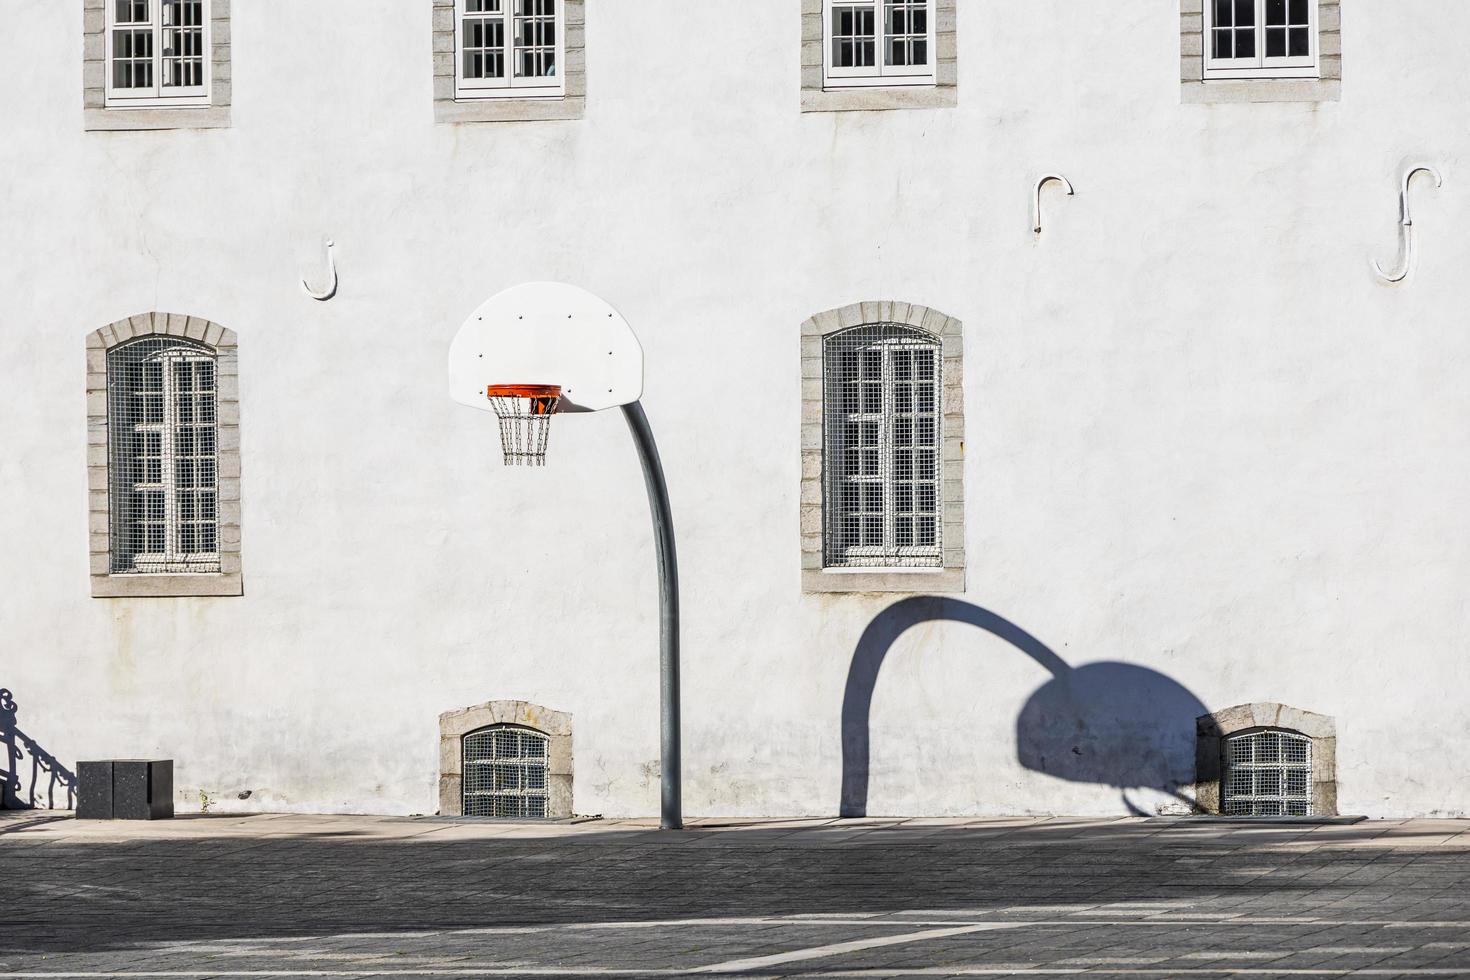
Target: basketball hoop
525	420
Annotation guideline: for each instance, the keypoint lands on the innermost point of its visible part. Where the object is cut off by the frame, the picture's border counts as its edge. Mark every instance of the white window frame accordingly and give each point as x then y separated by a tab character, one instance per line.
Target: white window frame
879	74
890	555
1261	66
509	87
167	429
158	95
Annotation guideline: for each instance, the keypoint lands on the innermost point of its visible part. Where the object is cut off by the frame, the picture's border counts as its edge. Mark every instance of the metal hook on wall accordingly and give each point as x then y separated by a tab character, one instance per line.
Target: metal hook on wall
1406	225
1036	197
331	289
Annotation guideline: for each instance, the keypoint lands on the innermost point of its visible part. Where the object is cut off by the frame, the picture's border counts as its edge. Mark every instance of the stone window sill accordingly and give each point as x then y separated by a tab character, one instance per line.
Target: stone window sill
161	586
884	580
1262	90
877	99
132	120
509	110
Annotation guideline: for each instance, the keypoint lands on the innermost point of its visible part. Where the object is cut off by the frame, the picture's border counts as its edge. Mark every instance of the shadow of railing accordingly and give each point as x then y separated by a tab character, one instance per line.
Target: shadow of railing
32	778
1113	724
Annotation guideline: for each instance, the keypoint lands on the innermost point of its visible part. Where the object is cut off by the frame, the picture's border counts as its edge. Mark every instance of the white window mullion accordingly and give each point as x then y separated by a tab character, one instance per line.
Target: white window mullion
169	468
885	453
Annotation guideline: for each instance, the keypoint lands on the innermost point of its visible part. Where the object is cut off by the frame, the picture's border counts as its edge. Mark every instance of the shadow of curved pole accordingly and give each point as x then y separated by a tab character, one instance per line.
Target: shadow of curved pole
867	661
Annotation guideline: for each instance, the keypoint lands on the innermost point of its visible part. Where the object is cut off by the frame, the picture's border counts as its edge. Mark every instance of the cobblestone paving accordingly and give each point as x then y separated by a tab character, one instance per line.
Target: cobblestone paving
284	896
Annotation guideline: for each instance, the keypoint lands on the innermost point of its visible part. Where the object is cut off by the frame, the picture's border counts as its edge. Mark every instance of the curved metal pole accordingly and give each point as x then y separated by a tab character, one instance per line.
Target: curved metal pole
1406	225
331	289
1036	197
671	810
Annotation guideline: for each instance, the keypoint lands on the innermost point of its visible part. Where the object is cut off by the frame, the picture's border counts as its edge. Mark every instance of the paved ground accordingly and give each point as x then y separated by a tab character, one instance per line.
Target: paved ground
278	896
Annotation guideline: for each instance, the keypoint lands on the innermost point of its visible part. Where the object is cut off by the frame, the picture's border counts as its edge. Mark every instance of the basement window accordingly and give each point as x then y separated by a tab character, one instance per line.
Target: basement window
505	773
1267	773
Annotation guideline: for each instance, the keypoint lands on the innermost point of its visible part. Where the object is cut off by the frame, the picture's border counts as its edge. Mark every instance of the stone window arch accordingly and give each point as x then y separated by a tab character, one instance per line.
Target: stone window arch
1266	759
163	457
506	758
882	443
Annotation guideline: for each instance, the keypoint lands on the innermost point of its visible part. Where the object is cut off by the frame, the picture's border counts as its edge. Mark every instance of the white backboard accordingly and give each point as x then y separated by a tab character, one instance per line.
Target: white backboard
547	333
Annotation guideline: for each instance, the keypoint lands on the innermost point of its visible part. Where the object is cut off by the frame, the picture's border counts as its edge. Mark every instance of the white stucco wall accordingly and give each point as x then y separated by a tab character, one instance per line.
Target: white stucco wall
1201	437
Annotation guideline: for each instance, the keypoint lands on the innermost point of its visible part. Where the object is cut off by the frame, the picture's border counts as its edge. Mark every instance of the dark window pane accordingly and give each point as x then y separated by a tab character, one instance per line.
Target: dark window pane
1276	42
1275	13
1223	48
1245	13
1301	42
1222	13
1245	44
1299	11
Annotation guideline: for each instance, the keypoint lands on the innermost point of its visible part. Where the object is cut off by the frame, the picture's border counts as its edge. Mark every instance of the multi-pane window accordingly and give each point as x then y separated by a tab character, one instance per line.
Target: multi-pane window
878	42
157	52
881	446
505	772
1268	773
1260	38
509	48
163	447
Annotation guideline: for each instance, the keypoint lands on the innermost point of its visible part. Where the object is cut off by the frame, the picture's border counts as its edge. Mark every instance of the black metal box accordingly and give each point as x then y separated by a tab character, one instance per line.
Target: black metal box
126	789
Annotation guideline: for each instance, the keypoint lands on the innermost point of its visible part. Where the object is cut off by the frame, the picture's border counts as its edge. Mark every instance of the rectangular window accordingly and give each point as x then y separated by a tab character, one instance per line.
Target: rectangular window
878	42
1260	39
509	49
157	53
164	480
881	416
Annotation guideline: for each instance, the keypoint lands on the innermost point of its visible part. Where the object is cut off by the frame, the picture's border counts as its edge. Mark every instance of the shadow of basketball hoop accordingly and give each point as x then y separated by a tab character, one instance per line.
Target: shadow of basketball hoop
1112	724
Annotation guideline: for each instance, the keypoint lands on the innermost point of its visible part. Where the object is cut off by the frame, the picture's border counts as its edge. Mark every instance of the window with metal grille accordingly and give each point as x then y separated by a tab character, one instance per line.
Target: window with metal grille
881	447
509	49
162	442
878	42
1260	38
505	772
157	52
1267	773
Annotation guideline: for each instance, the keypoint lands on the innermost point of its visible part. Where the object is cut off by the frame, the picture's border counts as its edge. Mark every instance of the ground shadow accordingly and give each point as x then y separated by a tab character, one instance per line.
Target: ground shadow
1113	724
70	894
32	778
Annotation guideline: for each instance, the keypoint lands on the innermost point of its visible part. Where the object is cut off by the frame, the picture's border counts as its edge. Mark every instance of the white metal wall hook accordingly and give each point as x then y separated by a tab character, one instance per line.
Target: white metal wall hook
1406	225
1036	197
331	289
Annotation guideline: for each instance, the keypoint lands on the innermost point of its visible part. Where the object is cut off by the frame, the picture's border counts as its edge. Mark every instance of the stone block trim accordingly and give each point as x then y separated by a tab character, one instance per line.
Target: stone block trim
1327	87
1211	731
555	725
226	582
572	105
951	576
96	115
944	94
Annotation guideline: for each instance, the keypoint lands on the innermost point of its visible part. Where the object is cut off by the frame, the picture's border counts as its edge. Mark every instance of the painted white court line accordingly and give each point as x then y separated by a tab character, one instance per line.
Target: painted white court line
966	971
852	946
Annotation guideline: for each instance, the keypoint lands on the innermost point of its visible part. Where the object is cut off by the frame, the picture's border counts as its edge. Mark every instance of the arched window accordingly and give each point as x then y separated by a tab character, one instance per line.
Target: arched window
163	456
505	770
1267	773
882	442
881	412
